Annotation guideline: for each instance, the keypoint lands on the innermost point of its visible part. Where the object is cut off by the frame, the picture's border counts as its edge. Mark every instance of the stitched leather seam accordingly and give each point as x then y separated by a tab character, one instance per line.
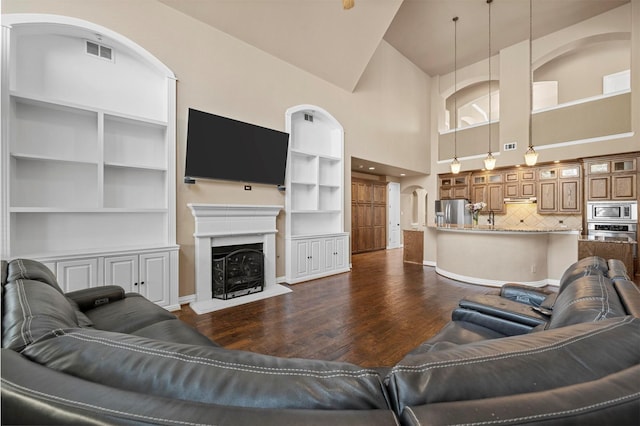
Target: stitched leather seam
484	358
22	268
555	413
221	364
25	328
413	416
96	407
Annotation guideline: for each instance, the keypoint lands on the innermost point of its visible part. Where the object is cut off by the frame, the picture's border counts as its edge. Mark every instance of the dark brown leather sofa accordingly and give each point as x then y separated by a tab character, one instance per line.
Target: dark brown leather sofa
100	356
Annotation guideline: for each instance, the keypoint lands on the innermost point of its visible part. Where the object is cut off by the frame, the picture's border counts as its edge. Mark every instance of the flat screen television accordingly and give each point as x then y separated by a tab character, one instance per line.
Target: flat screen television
226	149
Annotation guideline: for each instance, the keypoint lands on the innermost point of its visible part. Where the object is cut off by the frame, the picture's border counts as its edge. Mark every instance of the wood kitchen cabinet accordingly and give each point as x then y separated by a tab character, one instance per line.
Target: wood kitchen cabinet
612	178
489	188
560	189
520	183
454	186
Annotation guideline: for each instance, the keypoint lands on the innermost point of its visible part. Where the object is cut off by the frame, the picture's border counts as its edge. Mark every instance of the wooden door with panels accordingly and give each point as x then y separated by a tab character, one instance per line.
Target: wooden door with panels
369	216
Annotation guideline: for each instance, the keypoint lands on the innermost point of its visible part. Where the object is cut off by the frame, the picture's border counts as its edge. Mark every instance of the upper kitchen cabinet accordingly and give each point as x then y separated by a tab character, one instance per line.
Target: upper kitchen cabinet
520	183
88	144
489	188
454	186
560	189
612	178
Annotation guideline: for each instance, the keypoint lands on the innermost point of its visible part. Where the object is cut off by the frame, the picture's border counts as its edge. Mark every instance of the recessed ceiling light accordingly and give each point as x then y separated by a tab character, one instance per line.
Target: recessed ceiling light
556	161
517	165
402	174
372	168
360	166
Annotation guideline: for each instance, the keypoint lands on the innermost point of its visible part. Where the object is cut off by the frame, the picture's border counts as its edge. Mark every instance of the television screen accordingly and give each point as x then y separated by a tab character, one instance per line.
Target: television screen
227	149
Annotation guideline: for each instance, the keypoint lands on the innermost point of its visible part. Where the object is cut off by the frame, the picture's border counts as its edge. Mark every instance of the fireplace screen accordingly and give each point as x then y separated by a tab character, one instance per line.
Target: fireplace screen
237	271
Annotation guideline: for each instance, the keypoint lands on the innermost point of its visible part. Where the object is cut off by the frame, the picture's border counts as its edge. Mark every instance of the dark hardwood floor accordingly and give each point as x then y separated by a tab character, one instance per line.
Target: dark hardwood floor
371	316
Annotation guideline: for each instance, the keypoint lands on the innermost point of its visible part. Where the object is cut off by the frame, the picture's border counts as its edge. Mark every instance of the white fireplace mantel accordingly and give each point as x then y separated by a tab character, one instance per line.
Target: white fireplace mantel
218	225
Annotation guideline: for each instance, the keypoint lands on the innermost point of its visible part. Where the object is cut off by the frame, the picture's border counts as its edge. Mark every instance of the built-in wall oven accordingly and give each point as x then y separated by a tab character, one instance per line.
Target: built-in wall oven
613	220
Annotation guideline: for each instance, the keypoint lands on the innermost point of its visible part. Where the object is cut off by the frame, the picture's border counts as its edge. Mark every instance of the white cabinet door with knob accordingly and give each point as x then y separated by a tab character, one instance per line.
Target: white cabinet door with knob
308	257
147	274
317	257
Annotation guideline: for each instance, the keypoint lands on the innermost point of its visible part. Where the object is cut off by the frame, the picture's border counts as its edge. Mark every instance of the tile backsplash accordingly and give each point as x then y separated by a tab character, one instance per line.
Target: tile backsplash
521	215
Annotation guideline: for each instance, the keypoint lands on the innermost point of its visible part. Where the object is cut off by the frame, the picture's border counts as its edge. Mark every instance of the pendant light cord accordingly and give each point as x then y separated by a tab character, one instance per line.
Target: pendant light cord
530	73
455	87
489	3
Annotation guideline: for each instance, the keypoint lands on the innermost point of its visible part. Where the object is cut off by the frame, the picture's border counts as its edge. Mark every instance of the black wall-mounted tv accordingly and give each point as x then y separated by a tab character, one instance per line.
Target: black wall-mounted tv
227	149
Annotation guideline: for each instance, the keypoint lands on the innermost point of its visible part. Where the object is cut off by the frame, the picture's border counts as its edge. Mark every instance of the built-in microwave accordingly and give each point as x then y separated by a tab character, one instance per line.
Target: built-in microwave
612	211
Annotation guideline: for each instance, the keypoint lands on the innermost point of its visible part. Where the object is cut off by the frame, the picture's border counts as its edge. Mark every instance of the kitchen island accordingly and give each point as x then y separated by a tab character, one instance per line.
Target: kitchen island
493	256
622	248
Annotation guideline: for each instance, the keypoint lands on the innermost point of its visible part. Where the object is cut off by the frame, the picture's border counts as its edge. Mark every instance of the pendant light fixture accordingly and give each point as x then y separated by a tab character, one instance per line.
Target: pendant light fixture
455	164
531	156
490	161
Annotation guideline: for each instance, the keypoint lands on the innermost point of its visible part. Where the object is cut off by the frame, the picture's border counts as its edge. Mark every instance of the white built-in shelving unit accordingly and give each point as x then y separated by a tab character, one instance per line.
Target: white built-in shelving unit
316	244
88	156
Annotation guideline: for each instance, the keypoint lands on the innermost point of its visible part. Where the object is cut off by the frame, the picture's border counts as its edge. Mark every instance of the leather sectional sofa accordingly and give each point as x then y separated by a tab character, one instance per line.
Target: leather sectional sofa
100	356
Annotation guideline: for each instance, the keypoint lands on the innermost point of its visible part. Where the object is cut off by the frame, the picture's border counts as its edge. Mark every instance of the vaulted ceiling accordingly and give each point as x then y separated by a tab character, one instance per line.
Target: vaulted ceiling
318	36
336	45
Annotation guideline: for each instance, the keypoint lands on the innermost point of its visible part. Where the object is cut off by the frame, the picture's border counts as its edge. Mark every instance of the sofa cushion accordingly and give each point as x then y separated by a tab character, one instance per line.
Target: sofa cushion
587	299
127	315
592	265
34	394
617	269
516	365
27	269
501	307
32	310
629	296
457	333
174	331
209	374
612	400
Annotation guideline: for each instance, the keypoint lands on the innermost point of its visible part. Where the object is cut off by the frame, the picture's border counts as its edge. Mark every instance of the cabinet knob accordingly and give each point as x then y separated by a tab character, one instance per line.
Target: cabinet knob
135	284
141	282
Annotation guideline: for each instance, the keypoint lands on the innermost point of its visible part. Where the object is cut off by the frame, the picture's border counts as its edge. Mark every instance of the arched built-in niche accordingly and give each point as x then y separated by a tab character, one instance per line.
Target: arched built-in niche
315	242
88	146
414	199
590	58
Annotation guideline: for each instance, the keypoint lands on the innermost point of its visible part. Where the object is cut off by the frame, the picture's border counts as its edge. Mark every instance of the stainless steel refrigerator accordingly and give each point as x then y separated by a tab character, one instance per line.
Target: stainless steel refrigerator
452	212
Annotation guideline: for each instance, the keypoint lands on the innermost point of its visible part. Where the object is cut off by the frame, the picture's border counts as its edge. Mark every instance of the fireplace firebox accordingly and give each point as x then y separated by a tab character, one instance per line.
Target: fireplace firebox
237	270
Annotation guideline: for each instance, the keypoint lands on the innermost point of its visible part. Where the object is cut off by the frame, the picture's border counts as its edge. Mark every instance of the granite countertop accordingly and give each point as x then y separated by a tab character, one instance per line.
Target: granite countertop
484	228
601	239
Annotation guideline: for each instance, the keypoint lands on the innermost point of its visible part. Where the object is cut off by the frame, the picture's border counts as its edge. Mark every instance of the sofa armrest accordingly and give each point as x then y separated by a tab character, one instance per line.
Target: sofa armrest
90	298
499	325
507	309
523	294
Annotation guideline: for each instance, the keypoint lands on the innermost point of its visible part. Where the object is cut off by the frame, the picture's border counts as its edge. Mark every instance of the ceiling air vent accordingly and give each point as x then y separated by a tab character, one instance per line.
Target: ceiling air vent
308	117
510	146
99	51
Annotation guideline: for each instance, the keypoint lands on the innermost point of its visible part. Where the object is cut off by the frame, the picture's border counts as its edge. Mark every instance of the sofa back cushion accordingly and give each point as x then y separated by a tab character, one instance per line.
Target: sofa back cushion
32	310
27	269
587	299
208	374
535	362
587	266
629	296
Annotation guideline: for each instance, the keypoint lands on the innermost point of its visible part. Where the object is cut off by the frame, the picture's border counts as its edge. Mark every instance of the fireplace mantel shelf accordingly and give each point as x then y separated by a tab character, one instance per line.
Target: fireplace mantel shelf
233	210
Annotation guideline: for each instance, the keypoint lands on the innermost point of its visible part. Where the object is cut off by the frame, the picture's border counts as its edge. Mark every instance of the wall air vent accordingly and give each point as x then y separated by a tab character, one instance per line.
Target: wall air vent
510	146
308	117
99	51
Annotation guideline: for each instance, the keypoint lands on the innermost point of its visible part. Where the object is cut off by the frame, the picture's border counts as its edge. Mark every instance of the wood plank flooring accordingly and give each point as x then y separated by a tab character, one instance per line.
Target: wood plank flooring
371	316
